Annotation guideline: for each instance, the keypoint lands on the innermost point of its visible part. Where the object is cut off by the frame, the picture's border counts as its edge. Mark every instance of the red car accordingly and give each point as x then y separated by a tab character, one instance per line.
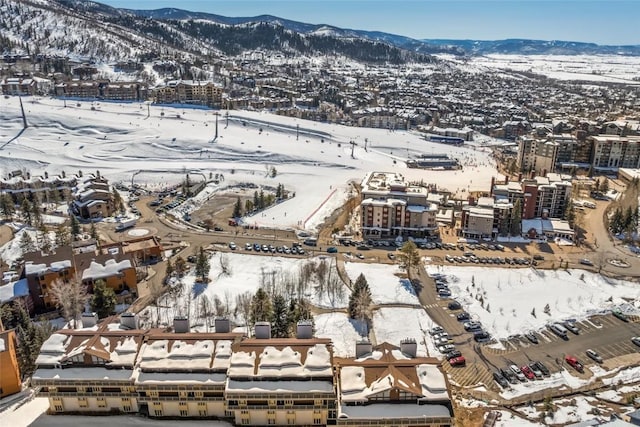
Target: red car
528	372
575	363
458	361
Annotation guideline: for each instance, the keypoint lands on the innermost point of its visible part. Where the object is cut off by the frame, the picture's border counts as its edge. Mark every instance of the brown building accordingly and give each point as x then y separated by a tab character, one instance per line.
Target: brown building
188	92
93	198
9	371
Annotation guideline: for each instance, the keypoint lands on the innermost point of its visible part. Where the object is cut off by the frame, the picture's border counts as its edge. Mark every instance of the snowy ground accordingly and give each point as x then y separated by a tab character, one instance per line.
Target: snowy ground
344	332
512	294
120	140
393	324
385	286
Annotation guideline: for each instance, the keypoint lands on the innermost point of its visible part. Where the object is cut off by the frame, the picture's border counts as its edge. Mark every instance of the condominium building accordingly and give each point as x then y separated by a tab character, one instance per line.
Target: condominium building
119	368
10	380
188	92
611	152
92	198
391	206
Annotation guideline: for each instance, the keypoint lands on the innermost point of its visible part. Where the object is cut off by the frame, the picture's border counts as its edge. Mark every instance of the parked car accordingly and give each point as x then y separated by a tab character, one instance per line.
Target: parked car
538	257
559	330
586	261
536	371
463	316
481	336
452	354
443	293
500	379
472	326
575	363
359	255
436	330
247	247
543	368
444	349
510	376
527	372
620	315
458	361
454	305
531	337
232	246
518	373
593	355
636	341
391	256
332	250
572	327
191	258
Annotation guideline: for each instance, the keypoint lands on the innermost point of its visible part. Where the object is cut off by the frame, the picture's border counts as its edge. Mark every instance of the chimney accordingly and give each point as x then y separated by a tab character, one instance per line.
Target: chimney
409	347
263	330
519	177
544	173
493	182
129	321
304	330
89	320
533	174
506	179
180	324
222	325
363	348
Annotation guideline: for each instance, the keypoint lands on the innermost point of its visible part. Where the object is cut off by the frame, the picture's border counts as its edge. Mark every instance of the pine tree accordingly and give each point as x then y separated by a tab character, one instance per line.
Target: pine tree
256	200
604	187
202	266
6	206
360	299
261	200
62	236
168	271
260	307
75	228
117	200
36	212
280	326
180	266
248	205
616	224
30	335
273	172
516	219
93	232
26	243
237	209
103	300
26	211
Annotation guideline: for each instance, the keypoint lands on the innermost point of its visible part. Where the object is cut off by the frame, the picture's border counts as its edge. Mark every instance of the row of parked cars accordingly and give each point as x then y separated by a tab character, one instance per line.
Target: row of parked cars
445	345
472	258
284	249
514	374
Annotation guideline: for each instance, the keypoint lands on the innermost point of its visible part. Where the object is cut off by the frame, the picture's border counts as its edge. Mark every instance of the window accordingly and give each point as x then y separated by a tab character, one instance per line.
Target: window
101	402
184	412
126	408
82	402
58	408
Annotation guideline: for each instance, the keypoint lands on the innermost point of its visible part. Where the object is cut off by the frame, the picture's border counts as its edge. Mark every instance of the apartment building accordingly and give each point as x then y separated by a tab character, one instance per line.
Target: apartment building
19	86
188	92
391	386
487	218
90	370
120	368
540	196
611	152
10	382
391	206
283	381
16	185
41	271
92	198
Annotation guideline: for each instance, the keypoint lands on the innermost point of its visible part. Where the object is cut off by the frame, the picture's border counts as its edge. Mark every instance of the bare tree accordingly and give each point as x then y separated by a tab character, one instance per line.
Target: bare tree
224	265
243	308
70	296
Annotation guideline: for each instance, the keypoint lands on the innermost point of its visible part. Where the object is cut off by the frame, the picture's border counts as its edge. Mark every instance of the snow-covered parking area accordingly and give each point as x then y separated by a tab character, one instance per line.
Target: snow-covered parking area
512	301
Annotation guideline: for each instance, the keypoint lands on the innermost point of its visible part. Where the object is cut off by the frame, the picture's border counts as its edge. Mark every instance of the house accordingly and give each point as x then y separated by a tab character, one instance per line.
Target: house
390	385
19	86
10	382
93	198
16	292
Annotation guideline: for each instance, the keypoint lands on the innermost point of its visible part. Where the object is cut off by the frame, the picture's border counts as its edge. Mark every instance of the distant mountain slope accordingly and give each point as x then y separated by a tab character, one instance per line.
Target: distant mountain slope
536	47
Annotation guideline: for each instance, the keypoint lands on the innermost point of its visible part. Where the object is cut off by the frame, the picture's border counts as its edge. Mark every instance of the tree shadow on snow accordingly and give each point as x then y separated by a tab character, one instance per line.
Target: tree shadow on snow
198	288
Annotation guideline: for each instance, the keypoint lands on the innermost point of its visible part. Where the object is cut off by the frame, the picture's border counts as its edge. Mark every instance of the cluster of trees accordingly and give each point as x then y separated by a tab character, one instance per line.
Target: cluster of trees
261	200
512	224
283	314
624	221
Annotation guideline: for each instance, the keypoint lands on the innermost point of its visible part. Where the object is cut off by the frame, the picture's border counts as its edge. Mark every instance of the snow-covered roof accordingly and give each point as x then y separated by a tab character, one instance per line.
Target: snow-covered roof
393	410
182	377
432	382
110	268
17	289
53	349
32	269
281	386
84	373
176	355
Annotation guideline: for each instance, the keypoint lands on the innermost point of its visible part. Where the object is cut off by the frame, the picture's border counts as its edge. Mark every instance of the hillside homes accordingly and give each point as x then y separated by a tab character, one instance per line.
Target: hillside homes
120	368
391	206
92	198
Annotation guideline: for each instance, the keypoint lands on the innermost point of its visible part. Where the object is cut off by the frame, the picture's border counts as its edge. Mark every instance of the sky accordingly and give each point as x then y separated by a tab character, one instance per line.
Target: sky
603	22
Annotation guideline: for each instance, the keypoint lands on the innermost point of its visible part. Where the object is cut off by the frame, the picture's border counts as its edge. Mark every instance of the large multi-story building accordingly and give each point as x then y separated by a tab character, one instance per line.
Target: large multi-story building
391	206
119	368
540	196
188	92
611	152
92	198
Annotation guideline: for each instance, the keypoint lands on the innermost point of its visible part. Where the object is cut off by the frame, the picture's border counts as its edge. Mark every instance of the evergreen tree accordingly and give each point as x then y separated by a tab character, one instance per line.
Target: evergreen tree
75	228
260	307
248	205
36	213
261	200
6	206
46	243
26	243
168	271
604	187
103	300
180	266
62	236
117	200
616	224
256	200
409	256
30	338
280	326
26	211
237	209
273	172
202	266
360	299
516	218
279	191
570	213
94	232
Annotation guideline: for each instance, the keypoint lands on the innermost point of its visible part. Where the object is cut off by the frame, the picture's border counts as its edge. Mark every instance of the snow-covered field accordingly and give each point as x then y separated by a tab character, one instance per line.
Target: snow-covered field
588	68
393	324
504	299
385	286
120	141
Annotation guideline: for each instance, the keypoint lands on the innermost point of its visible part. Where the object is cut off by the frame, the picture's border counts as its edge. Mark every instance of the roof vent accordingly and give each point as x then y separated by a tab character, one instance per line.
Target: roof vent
263	330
